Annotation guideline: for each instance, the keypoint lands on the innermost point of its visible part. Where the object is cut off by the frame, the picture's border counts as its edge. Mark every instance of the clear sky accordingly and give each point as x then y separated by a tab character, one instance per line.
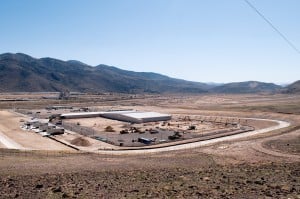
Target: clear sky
199	40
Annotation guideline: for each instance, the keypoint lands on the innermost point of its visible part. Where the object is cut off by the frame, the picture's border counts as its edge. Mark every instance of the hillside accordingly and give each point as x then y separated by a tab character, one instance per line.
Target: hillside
246	87
20	72
23	73
293	88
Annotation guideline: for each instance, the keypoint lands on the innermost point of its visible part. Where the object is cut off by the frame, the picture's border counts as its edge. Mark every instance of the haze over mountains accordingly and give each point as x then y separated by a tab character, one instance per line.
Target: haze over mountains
22	73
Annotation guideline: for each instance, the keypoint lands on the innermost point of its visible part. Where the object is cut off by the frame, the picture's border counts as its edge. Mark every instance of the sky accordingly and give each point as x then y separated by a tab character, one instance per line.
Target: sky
199	40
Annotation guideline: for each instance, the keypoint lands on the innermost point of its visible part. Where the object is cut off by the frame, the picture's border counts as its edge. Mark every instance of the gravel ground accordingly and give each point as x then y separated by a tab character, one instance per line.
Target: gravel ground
242	181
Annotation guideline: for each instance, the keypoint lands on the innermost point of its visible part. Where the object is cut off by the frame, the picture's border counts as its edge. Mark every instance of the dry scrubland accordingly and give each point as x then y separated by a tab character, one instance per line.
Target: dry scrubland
265	166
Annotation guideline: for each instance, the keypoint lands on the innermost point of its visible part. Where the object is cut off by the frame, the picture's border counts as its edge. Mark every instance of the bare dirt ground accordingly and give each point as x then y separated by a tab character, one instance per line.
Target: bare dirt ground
10	126
287	143
1	145
263	166
184	174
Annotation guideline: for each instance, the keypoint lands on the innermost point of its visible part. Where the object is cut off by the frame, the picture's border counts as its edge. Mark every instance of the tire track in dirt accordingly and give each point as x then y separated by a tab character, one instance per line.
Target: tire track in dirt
258	146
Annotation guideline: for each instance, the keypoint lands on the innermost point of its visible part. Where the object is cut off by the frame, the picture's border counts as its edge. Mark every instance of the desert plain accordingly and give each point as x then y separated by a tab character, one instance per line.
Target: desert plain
265	165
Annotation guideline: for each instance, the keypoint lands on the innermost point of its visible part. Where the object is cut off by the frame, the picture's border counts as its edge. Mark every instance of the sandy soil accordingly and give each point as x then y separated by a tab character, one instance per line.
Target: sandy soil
69	136
98	123
2	145
8	142
10	126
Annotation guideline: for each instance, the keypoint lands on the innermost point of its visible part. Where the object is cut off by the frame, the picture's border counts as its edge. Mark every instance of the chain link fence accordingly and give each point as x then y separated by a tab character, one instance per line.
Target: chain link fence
86	131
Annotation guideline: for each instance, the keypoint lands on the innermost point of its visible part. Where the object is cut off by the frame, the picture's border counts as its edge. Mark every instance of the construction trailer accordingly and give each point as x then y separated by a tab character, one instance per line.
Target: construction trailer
56	131
31	123
46	127
38	125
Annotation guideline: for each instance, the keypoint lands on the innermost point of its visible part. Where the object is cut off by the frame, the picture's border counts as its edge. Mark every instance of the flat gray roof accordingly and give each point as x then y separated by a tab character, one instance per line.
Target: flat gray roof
137	115
81	113
141	115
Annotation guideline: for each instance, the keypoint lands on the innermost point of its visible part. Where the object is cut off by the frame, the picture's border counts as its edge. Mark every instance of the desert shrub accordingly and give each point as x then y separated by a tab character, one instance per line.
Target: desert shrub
109	129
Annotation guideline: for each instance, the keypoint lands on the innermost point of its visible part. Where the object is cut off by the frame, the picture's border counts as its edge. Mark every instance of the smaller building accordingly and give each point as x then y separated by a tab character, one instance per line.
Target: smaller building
56	131
58	107
46	126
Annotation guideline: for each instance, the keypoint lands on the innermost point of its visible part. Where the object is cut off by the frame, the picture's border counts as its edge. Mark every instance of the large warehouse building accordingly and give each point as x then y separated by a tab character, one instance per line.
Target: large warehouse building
137	117
126	116
80	115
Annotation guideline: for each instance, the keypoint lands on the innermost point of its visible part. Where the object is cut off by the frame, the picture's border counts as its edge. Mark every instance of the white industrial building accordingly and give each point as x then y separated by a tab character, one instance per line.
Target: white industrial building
126	116
137	117
80	115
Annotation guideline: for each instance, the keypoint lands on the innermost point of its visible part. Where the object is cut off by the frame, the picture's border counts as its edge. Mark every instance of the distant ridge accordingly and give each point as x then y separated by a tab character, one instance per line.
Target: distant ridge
22	73
293	88
247	87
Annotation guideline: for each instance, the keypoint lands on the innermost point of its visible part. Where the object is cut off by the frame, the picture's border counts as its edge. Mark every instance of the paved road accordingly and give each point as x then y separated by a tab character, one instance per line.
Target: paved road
280	124
9	143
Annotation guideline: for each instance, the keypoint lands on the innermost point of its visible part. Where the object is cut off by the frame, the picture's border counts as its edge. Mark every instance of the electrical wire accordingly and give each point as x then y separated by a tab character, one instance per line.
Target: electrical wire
272	26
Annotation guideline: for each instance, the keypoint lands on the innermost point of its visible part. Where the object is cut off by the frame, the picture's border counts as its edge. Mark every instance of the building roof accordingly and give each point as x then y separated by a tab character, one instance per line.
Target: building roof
81	113
141	115
130	116
94	113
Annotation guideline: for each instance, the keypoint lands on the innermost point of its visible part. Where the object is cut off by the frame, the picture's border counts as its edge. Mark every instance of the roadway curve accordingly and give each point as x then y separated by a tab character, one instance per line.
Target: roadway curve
280	124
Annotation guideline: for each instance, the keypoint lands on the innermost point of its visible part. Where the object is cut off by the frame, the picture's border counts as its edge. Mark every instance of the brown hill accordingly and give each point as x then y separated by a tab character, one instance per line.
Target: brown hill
247	87
20	72
293	88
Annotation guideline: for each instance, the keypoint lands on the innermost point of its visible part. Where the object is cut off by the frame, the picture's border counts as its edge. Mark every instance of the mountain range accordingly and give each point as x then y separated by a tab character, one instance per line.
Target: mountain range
23	73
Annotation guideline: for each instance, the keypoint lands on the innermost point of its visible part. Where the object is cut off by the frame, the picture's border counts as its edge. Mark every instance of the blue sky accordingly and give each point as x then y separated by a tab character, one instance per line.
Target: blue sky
199	40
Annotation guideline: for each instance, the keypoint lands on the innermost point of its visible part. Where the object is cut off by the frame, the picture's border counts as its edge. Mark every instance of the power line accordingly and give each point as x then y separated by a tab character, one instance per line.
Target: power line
272	26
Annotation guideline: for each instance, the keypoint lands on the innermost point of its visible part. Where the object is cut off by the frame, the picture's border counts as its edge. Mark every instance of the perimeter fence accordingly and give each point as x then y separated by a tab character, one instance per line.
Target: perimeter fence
36	153
86	131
